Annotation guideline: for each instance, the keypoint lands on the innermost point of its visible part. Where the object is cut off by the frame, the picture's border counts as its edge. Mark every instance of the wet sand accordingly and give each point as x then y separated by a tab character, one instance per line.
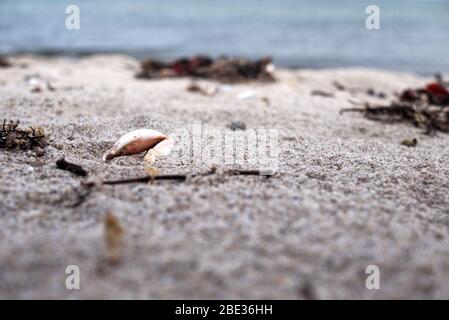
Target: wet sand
347	194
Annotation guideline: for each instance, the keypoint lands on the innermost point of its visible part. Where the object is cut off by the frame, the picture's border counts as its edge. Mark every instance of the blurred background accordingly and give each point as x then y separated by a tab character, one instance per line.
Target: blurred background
414	35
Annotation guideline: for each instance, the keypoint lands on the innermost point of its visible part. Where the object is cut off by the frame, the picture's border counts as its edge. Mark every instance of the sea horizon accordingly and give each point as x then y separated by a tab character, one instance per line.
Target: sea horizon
296	34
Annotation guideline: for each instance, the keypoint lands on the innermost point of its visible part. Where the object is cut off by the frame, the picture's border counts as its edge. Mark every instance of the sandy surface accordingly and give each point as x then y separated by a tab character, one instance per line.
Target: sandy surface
347	194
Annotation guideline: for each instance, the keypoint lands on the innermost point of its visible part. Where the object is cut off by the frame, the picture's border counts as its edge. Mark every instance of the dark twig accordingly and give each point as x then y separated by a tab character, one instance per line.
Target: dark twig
74	168
179	177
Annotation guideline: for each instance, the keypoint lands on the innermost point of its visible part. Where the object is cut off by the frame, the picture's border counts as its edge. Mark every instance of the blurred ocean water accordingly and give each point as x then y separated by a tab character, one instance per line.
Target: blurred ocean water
414	35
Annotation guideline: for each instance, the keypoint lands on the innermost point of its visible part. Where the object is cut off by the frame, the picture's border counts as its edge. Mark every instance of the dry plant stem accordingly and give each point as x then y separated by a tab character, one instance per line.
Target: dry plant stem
178	177
82	194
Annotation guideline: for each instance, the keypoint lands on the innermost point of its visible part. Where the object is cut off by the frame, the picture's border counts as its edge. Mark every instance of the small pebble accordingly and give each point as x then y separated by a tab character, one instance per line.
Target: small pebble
409	142
237	125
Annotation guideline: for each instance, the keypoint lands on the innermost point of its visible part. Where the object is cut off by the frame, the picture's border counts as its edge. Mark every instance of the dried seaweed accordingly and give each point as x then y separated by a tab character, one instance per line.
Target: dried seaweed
426	108
322	93
205	91
14	137
147	178
225	70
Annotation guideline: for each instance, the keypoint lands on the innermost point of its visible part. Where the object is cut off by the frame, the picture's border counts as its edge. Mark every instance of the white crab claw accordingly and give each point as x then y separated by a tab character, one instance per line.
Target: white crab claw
163	148
156	143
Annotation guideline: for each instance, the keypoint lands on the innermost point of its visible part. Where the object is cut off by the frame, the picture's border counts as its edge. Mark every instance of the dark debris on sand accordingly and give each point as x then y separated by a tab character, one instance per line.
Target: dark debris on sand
4	63
426	107
410	142
224	70
63	164
14	137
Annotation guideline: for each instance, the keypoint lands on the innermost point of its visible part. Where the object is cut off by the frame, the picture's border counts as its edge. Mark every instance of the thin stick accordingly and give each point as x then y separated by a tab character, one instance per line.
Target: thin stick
177	177
246	172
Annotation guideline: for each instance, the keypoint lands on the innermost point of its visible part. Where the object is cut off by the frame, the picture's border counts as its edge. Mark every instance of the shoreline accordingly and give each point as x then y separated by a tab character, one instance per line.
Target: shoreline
156	54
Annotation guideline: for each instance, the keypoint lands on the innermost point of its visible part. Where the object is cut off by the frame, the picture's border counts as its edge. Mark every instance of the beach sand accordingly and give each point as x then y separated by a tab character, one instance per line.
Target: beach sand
347	194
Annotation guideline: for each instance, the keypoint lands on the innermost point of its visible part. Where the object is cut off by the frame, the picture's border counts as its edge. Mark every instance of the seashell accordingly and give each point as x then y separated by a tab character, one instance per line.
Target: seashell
155	143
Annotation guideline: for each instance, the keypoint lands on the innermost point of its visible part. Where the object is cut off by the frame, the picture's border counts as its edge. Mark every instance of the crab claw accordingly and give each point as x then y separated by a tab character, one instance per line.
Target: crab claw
156	143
